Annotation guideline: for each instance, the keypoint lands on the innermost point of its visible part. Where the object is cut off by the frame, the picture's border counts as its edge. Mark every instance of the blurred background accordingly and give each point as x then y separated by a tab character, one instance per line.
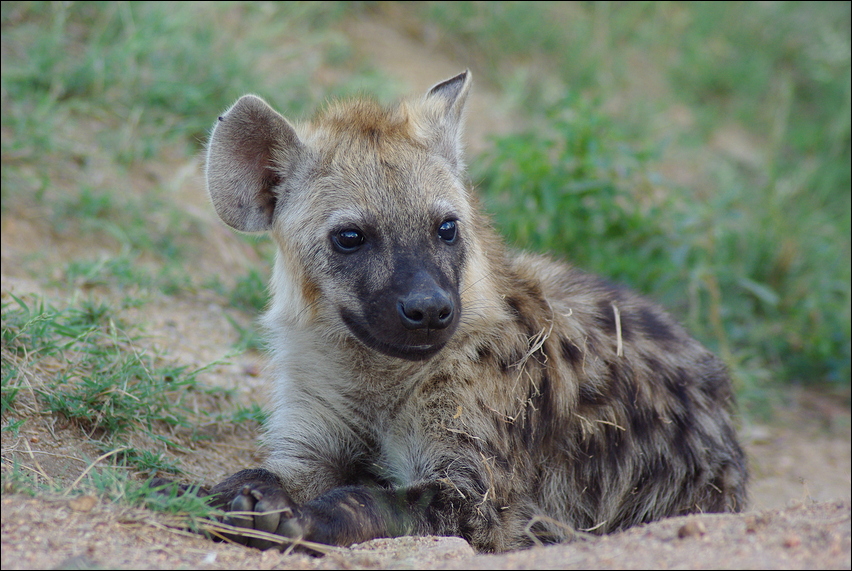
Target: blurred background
698	152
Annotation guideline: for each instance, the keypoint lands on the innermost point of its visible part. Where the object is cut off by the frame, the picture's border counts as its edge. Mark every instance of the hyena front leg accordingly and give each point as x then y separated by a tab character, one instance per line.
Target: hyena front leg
341	516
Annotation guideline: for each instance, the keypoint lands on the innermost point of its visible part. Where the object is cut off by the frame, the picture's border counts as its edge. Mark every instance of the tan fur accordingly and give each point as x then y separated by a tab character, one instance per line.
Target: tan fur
557	402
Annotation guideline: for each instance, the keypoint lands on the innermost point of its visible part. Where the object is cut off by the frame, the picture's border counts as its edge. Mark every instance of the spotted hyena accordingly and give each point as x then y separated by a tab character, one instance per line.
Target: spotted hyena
429	381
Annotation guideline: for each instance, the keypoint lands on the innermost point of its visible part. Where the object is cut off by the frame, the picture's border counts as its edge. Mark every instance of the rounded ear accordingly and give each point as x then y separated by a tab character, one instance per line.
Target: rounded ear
248	151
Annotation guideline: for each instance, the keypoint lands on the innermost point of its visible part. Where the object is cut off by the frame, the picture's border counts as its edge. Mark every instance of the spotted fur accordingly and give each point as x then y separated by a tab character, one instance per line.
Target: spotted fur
426	385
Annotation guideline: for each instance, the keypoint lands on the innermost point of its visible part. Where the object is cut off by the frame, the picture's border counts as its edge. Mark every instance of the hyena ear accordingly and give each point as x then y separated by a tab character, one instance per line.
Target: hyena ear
249	149
450	95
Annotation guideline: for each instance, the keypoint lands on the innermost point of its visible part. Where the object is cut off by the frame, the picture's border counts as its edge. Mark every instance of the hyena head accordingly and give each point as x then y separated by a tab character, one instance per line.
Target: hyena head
369	210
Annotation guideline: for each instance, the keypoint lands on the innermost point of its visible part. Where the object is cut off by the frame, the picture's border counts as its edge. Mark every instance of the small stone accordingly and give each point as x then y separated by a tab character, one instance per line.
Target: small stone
751	524
692	528
83	503
755	522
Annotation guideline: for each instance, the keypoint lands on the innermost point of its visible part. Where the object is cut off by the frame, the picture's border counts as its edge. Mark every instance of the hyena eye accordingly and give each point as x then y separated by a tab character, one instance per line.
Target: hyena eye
447	231
347	241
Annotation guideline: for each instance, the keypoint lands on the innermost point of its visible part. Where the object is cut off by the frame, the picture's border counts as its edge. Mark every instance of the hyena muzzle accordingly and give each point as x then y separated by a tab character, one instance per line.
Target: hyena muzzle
429	381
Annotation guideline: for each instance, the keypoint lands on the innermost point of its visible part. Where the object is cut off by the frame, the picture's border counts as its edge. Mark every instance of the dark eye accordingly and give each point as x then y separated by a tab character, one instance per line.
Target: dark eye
347	241
447	231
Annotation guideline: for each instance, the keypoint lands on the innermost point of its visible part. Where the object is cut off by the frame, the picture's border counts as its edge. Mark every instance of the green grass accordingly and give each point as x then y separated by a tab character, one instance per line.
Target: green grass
93	92
174	64
85	364
116	485
586	194
91	369
158	71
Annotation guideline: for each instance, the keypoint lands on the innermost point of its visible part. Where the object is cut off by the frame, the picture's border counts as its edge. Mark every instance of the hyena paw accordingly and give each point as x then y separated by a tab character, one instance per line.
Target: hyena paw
254	499
265	509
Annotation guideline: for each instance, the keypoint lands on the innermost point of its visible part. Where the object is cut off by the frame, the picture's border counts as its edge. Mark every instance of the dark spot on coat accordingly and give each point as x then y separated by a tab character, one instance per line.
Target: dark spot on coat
622	384
434	384
605	317
677	382
589	394
522	315
655	327
655	468
570	351
643	423
714	380
545	401
483	353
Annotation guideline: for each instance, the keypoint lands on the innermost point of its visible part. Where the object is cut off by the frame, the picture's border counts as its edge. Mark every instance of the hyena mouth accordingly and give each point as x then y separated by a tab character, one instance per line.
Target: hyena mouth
409	345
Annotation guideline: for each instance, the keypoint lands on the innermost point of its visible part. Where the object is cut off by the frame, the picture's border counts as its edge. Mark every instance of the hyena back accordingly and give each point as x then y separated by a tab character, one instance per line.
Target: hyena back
428	381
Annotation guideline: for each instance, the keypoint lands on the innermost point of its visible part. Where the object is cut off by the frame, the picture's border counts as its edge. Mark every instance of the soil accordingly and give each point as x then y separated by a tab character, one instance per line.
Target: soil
799	515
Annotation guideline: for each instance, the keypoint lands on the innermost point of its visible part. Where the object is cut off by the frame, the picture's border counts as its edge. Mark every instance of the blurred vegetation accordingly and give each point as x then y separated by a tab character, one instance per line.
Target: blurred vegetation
699	152
756	256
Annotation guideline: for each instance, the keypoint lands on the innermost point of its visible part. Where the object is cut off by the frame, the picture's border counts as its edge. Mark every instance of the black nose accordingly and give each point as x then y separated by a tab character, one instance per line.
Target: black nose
429	308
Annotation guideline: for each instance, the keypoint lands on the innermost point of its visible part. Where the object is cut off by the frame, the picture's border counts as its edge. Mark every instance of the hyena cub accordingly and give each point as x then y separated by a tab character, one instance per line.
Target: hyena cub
428	381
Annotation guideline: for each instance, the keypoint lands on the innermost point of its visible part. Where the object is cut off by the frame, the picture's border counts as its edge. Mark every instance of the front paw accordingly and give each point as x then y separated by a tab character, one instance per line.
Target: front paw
267	509
260	503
